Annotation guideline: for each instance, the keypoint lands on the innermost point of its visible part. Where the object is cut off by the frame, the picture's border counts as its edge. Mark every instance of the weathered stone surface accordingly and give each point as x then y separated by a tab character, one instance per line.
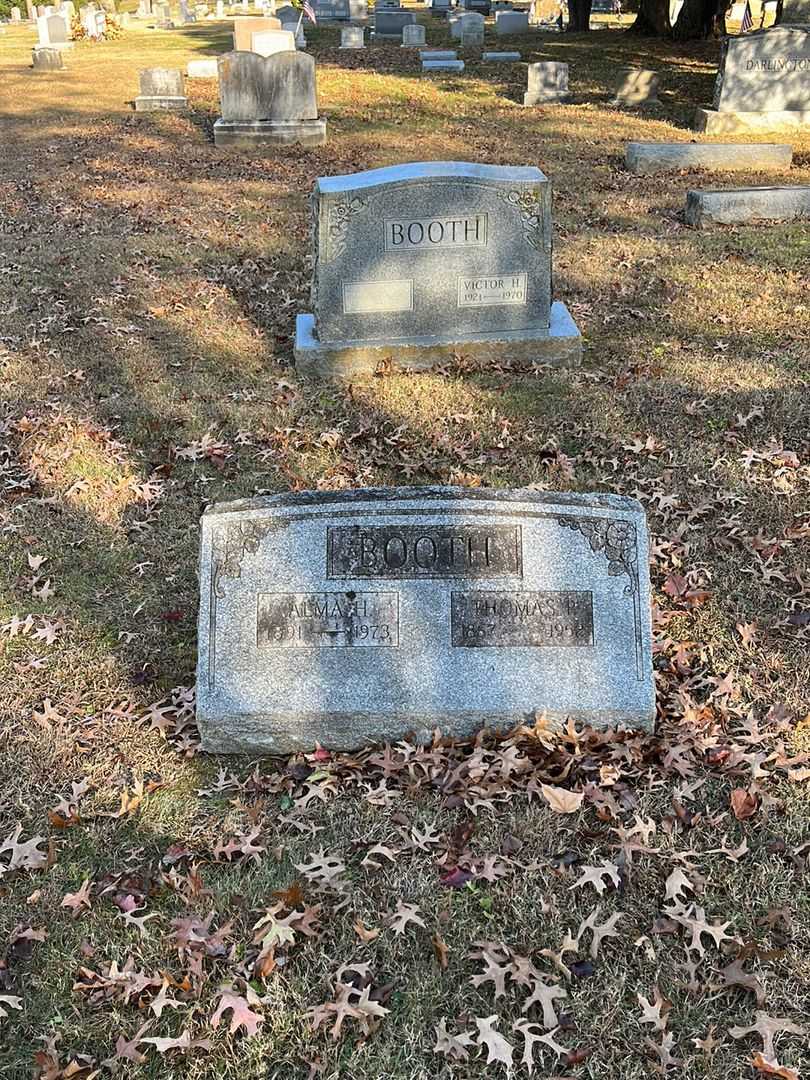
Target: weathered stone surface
389	24
645	158
269	42
636	86
47	58
547	84
161	90
442	65
742	206
245	26
353	37
418	261
413	35
501	57
352	618
472	30
202	69
765	71
268	100
53	32
511	22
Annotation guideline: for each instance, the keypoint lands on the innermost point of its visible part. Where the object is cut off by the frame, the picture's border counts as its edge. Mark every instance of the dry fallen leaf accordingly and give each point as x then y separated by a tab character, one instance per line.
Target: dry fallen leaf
561	800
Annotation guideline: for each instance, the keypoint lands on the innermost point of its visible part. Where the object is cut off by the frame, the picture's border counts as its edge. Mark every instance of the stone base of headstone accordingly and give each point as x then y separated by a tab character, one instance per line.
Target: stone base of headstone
250	134
501	57
47	58
648	158
160	104
438	54
559	345
713	122
745	206
552	97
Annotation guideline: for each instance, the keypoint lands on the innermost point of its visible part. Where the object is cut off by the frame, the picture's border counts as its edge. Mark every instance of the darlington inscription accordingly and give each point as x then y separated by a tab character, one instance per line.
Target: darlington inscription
429	551
327	620
537	619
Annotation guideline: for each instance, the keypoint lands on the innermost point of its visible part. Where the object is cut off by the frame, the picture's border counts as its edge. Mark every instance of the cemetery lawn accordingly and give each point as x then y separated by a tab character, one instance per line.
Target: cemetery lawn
149	287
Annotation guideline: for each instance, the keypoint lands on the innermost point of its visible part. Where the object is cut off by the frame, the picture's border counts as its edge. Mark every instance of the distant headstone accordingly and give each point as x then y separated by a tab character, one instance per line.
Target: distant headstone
511	22
287	13
297	31
161	90
16	15
352	37
185	14
220	9
267	42
413	36
416	263
53	32
245	27
389	24
331	10
483	7
440	7
163	15
648	158
763	82
548	83
472	30
501	57
47	58
268	101
202	69
636	86
746	206
348	618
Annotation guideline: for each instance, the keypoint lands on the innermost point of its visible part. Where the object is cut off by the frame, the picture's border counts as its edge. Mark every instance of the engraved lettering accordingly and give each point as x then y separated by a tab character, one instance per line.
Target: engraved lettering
492	291
413	551
327	620
521	619
438	232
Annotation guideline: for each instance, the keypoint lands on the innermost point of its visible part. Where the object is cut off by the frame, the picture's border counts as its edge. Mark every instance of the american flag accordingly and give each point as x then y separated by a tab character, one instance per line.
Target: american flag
310	13
747	20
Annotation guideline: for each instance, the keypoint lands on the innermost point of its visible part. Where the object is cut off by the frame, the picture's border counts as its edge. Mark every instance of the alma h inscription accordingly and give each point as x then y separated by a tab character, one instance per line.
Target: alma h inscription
353	618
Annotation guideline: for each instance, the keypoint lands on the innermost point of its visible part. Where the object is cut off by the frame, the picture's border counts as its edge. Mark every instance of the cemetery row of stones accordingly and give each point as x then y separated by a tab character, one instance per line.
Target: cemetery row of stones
343	619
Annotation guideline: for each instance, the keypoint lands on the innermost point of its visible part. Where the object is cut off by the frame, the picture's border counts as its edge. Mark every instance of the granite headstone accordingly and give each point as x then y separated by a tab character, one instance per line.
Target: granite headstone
161	90
268	101
354	618
415	263
547	84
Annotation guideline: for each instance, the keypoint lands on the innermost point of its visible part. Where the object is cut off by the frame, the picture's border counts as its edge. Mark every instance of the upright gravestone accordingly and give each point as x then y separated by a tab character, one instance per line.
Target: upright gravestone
245	27
268	101
388	25
763	82
352	37
472	30
16	15
511	22
413	36
548	84
163	16
268	42
636	86
347	618
53	32
416	263
202	69
220	9
327	11
161	90
297	31
46	58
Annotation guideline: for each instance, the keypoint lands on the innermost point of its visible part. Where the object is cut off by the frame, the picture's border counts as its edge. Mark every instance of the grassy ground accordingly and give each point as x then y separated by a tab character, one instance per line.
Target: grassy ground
149	286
